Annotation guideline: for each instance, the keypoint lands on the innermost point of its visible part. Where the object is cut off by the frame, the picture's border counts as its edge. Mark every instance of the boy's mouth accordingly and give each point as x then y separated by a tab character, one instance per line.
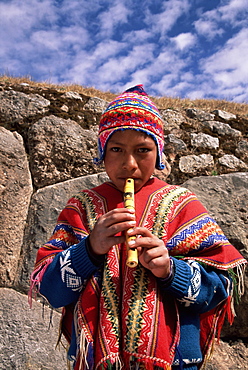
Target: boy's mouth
129	177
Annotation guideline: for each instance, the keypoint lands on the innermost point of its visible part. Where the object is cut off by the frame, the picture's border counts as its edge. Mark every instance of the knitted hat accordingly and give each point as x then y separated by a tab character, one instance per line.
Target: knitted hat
131	110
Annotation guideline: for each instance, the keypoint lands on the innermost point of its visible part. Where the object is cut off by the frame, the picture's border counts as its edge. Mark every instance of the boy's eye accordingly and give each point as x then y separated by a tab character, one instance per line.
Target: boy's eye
115	149
143	150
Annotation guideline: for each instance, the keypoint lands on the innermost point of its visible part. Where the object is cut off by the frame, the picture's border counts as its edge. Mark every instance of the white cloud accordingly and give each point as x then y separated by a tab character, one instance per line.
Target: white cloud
168	85
107	49
195	94
112	70
75	36
213	22
229	65
46	39
87	63
224	73
208	28
138	77
184	40
18	20
231	12
138	36
165	72
163	22
60	39
24	15
110	18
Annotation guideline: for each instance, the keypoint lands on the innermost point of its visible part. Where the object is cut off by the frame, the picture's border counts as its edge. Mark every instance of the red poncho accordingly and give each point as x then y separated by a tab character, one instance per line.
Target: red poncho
121	316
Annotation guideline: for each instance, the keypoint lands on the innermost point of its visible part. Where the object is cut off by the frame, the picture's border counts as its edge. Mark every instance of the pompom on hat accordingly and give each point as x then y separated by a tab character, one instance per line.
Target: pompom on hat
131	110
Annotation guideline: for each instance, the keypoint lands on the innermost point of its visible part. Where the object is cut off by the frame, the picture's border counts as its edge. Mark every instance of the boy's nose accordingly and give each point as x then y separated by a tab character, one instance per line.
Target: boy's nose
129	162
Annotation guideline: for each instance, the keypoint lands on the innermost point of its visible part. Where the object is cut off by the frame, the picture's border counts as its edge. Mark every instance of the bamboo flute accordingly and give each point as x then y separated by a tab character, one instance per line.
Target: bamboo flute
132	254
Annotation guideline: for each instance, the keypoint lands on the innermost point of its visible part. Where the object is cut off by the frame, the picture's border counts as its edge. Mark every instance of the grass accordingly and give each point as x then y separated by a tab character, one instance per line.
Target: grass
165	102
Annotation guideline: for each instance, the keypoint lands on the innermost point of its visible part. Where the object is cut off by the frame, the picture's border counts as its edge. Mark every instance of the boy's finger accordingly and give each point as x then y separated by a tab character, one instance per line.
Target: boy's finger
142	231
146	243
120	210
117	218
119	227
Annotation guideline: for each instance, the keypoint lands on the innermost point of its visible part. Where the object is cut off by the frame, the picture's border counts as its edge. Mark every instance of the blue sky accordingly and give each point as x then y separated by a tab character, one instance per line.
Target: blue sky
178	48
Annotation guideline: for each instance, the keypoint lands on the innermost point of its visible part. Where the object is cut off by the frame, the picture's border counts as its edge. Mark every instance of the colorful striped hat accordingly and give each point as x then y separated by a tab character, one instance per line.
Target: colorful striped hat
131	110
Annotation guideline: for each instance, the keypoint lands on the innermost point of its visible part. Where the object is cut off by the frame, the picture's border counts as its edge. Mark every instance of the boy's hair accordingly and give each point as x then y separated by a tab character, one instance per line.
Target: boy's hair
131	110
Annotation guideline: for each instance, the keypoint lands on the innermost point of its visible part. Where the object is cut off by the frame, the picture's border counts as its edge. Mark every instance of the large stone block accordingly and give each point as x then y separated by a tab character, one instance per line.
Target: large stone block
15	193
27	337
46	204
17	107
226	199
60	150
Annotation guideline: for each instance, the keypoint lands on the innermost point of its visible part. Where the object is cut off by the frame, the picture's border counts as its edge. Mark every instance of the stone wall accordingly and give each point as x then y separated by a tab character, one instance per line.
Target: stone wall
48	139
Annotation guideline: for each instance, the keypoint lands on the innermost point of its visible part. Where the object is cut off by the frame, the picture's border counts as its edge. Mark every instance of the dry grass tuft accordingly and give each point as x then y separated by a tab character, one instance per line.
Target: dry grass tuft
162	102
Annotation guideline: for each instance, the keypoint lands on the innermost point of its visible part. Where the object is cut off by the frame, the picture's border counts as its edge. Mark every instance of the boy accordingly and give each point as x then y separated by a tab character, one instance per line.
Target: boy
164	313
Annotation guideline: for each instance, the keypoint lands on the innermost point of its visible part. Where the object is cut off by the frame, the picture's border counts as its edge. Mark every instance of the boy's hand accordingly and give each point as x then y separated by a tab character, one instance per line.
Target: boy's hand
153	253
103	236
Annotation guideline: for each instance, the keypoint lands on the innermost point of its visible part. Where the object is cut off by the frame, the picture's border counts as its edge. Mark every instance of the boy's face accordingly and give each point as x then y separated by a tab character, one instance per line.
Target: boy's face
130	153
